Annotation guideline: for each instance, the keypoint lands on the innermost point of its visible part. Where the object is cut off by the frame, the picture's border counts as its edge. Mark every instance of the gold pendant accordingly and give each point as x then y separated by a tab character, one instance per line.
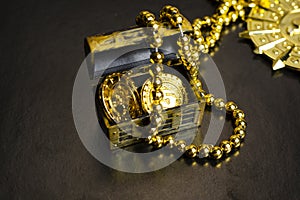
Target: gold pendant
274	28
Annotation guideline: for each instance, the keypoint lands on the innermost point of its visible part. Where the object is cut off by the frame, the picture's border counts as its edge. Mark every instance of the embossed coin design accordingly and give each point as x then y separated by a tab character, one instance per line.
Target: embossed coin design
274	28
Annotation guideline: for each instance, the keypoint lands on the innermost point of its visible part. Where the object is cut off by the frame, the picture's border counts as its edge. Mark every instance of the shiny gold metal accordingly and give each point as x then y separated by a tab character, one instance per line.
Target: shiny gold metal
240	132
241	123
216	152
167	12
226	146
169	140
163	91
238	114
230	106
191	151
157	57
209	98
158	141
176	20
156	96
207	31
174	94
235	140
272	25
144	18
181	145
120	98
274	28
219	103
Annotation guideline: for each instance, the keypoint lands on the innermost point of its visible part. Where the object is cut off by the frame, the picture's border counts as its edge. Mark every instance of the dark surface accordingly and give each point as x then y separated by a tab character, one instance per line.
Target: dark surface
42	156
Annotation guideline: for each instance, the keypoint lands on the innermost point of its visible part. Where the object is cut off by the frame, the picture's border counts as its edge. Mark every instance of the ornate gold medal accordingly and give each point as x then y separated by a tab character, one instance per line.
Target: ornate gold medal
274	28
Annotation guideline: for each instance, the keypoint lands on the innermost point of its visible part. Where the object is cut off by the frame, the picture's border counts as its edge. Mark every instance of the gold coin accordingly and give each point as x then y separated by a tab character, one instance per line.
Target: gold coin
174	93
120	97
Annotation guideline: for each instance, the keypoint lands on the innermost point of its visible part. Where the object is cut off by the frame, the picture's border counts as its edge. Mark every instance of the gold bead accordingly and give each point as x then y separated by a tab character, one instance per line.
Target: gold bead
197	34
226	146
238	7
139	20
157	82
195	54
219	103
164	11
238	114
193	70
204	47
209	98
216	152
181	145
148	18
158	141
144	18
207	20
157	108
210	41
197	23
157	96
227	21
184	61
196	83
235	140
199	40
143	13
176	19
230	106
166	8
157	57
227	3
167	12
202	93
169	140
173	10
233	16
191	151
183	41
204	150
220	19
223	9
194	76
155	41
241	123
240	132
194	64
156	120
189	66
215	35
151	139
242	14
156	69
154	24
217	27
186	48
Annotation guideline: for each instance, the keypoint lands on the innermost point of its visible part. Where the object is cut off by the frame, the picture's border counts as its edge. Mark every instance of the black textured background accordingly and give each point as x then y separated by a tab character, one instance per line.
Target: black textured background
42	156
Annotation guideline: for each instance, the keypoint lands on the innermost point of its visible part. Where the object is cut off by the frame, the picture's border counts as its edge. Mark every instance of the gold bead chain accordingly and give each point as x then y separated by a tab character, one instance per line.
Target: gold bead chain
228	11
